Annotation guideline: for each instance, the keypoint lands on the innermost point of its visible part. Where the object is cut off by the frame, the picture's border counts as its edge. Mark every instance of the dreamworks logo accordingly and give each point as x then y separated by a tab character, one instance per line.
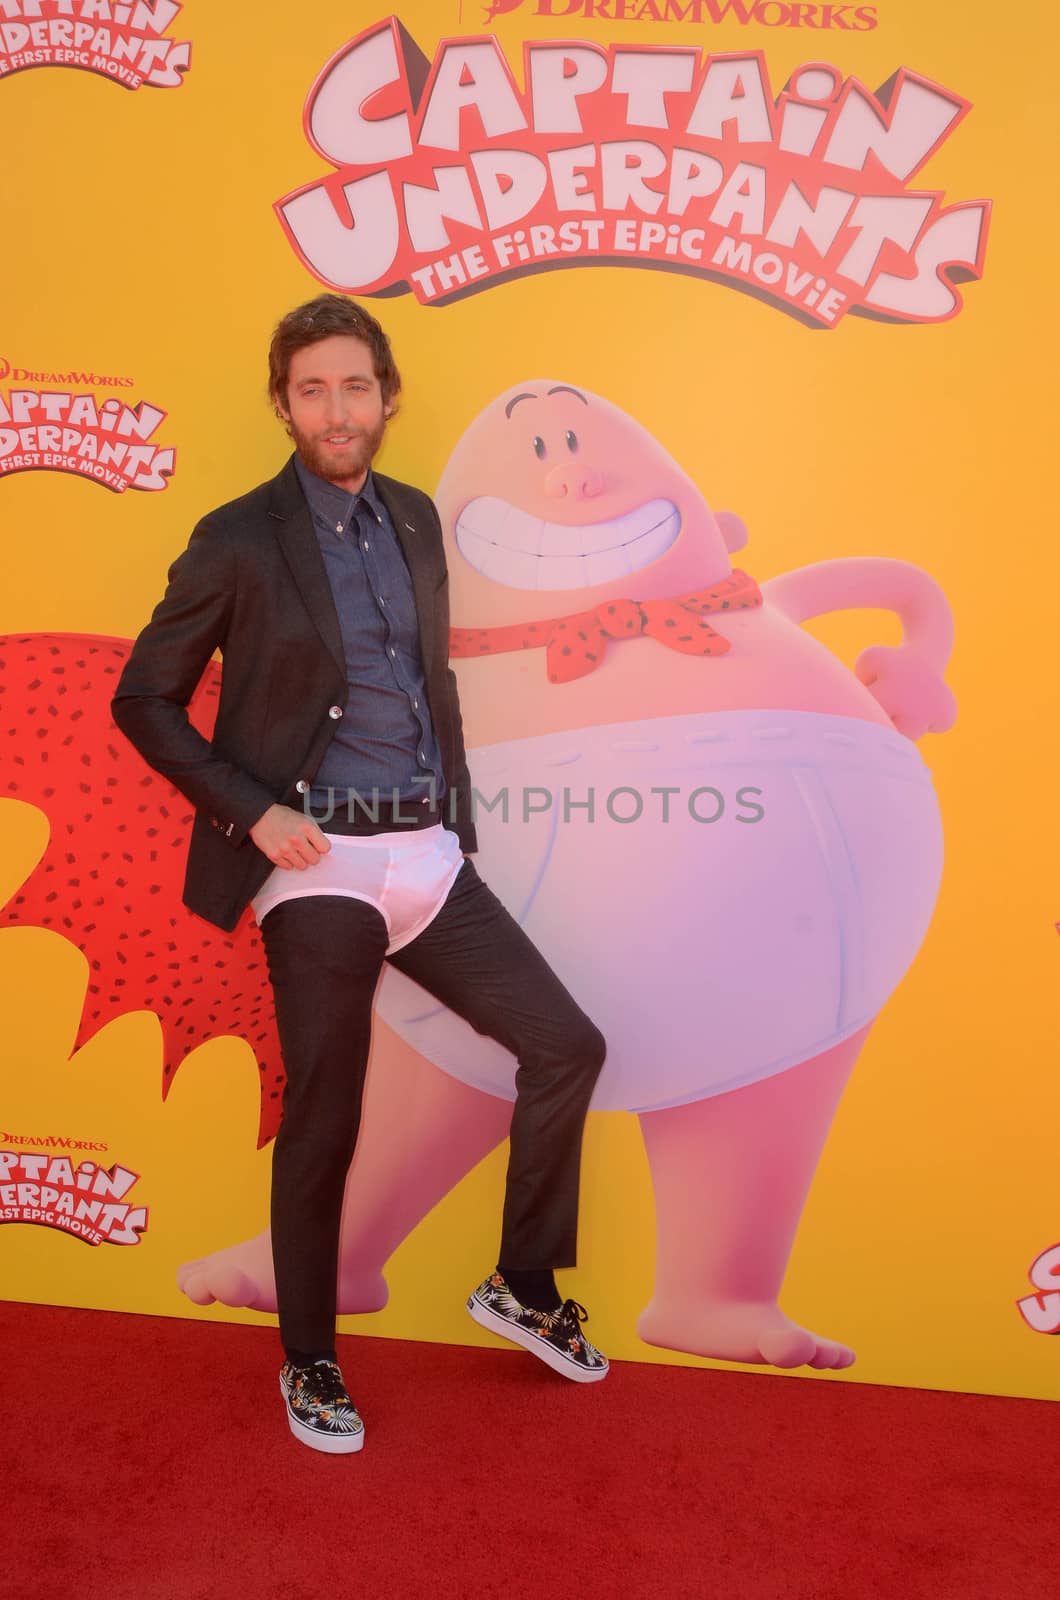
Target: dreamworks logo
852	18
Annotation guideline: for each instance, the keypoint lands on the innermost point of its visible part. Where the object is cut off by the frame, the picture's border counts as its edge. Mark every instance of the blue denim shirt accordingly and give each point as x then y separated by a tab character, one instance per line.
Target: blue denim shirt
385	741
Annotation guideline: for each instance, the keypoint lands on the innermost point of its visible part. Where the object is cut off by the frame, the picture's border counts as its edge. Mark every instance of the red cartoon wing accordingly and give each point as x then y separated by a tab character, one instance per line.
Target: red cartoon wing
112	874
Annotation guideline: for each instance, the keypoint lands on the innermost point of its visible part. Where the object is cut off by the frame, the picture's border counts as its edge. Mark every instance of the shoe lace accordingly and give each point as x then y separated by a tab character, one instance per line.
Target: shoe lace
323	1384
571	1314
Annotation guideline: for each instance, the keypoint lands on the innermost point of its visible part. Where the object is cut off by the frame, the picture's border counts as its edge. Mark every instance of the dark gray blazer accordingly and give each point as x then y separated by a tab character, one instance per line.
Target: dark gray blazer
252	584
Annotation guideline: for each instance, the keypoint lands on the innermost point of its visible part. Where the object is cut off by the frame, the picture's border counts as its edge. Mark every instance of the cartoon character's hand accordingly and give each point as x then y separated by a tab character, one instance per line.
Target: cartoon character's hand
908	687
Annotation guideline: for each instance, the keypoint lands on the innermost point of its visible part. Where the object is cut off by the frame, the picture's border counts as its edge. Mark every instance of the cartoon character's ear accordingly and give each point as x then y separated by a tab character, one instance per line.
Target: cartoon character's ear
733	530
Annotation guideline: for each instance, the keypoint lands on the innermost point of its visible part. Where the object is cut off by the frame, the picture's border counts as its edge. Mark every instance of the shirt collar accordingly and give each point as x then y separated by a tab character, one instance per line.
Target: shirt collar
332	504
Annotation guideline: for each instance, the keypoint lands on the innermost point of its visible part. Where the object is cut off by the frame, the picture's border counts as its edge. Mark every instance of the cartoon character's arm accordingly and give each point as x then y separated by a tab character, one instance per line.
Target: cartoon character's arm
906	679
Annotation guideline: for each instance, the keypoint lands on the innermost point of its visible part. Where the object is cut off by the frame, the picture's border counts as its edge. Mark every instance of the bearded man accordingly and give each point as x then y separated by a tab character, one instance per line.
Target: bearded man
334	799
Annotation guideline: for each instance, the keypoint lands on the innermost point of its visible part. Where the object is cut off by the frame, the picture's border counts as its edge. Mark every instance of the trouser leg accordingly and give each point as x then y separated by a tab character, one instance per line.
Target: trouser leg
325	954
476	959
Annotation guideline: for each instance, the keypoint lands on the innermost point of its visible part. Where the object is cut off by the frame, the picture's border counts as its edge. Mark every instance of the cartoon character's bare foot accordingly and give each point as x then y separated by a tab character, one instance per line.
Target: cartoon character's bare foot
360	1289
242	1275
757	1333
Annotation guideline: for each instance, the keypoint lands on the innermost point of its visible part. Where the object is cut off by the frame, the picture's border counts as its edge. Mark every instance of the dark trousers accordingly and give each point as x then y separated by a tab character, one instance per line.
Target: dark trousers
325	955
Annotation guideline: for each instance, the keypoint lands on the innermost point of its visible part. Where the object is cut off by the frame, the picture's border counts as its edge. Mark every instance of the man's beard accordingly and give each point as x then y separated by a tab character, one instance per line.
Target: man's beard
338	465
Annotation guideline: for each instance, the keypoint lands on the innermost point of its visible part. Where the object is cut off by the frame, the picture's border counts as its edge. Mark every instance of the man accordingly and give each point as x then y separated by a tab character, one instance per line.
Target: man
326	592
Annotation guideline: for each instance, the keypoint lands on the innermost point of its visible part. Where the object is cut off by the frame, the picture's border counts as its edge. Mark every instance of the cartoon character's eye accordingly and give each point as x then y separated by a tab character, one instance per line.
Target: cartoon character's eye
539	447
572	442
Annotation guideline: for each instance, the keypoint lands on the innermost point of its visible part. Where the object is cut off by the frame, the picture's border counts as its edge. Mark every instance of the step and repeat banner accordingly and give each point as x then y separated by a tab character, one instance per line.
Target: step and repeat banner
724	329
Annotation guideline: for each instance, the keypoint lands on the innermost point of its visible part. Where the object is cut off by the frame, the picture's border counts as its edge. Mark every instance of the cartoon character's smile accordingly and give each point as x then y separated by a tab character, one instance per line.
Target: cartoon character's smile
521	551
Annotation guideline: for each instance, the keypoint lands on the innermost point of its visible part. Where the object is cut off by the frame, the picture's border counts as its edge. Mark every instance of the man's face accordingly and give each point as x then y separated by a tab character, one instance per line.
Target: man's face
335	411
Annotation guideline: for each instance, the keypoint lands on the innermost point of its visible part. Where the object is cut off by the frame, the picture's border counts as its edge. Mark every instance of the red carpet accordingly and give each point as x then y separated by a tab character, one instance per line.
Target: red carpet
149	1459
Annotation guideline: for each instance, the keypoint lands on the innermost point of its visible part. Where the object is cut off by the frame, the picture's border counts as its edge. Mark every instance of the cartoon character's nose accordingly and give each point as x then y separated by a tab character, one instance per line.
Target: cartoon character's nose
574	481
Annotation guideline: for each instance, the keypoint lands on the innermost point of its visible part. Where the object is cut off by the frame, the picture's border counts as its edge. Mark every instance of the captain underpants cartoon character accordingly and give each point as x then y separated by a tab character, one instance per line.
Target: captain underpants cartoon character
726	838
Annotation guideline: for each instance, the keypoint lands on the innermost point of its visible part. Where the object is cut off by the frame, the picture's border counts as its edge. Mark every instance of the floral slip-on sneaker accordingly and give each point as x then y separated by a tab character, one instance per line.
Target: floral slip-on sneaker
555	1336
319	1411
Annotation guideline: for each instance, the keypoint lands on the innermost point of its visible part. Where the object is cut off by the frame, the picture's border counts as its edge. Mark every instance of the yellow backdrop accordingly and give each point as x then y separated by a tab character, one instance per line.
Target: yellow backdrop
142	243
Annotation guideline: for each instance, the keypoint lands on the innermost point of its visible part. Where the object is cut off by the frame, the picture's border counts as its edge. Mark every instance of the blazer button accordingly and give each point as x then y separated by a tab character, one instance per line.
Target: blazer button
335	712
302	786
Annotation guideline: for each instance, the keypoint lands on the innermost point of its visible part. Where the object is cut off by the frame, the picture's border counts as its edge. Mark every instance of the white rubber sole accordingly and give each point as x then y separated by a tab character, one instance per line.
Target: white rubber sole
332	1444
544	1351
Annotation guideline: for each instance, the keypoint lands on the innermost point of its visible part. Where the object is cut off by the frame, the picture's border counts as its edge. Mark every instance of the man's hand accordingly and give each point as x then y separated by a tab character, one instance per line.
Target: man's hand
289	839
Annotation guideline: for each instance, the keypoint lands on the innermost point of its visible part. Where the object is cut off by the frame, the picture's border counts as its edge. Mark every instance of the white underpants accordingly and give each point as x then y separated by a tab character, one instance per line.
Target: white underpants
405	875
709	955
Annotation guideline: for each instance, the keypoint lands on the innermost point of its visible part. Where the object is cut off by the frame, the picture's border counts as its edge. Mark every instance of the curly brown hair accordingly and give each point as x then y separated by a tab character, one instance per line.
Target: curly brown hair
322	318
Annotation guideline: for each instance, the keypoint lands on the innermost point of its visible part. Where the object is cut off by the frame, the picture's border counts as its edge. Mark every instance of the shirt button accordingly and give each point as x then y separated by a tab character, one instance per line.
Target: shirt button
393	652
416	704
366	544
334	712
302	786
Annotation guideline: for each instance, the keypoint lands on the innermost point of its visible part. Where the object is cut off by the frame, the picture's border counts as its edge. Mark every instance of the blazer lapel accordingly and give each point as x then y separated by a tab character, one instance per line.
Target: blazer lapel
412	538
297	537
